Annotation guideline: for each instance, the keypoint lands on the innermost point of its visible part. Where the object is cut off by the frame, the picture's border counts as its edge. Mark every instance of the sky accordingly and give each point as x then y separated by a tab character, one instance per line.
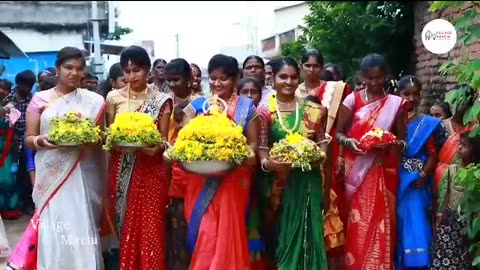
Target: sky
204	28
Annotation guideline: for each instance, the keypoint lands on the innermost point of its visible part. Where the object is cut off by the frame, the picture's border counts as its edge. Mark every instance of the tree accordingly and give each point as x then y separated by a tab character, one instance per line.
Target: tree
347	31
466	70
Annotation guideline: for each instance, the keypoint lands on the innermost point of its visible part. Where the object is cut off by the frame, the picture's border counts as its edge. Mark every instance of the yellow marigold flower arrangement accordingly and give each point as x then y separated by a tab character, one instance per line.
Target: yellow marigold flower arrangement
212	137
298	150
73	128
132	128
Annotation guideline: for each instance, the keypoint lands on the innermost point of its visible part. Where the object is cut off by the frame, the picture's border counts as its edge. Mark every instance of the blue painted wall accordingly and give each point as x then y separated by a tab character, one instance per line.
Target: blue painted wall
36	62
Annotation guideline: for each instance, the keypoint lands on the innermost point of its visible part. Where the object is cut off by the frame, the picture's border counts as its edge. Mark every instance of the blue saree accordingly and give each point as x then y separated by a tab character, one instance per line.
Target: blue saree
414	204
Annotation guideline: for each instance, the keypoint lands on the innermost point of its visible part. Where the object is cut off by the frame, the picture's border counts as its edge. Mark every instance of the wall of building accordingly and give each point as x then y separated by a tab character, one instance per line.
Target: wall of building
434	85
288	18
30	40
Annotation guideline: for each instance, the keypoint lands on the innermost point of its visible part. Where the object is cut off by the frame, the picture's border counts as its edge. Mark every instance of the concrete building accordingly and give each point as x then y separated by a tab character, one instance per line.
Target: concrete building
287	22
434	86
41	28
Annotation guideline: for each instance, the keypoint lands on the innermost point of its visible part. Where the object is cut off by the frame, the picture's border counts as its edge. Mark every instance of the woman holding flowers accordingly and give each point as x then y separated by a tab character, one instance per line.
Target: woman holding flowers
216	209
138	186
296	198
371	177
178	74
425	136
68	181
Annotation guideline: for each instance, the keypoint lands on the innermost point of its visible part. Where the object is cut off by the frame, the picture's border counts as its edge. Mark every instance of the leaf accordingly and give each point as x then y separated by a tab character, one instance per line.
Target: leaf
476	261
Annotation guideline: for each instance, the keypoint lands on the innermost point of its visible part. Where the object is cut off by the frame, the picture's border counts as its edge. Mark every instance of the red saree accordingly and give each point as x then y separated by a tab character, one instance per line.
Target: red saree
137	199
371	186
221	243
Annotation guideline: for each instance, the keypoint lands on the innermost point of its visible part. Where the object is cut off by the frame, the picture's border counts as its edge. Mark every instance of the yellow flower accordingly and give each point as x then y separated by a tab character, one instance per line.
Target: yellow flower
295	138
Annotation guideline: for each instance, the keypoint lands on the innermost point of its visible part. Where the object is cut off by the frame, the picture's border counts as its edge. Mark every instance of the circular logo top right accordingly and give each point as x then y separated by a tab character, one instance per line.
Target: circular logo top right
439	36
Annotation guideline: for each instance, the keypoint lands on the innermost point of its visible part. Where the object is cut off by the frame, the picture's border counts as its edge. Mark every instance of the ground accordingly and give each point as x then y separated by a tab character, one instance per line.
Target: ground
14	230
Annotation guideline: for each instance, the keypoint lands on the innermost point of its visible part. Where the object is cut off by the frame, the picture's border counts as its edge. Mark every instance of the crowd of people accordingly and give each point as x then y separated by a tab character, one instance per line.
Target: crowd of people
389	208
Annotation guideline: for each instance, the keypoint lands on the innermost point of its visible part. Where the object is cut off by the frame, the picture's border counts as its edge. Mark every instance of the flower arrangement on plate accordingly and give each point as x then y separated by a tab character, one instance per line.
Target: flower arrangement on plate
376	137
210	143
132	130
73	129
298	150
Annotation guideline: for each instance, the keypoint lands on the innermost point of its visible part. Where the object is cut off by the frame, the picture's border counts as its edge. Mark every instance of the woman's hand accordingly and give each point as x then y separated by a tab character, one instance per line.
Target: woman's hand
43	142
281	168
155	150
353	145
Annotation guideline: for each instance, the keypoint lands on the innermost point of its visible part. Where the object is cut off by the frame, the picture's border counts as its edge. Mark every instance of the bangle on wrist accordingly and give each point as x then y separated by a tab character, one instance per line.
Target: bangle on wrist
35	142
263	162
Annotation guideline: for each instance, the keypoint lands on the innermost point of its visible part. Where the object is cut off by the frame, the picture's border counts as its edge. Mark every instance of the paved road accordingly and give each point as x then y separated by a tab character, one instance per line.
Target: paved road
14	229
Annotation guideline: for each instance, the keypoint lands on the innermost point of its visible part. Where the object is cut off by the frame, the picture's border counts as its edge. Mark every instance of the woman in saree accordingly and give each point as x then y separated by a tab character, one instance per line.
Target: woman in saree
425	136
9	196
253	66
216	210
68	181
179	78
295	199
448	152
451	244
138	185
371	178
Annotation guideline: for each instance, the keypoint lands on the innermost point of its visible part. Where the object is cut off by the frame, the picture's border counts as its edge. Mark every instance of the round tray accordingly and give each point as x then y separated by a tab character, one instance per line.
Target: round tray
67	144
132	145
208	167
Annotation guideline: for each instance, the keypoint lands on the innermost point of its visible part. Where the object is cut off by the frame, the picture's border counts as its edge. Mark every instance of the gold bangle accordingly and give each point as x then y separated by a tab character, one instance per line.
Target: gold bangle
262	165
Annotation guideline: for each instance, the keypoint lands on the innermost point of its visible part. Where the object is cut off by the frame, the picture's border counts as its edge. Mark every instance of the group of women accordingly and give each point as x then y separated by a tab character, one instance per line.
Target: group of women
354	210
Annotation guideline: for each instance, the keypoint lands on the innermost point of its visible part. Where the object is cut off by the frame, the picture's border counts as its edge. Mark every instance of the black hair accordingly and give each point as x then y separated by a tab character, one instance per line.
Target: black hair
227	64
408	80
90	76
26	77
179	66
256	57
115	71
246	80
270	63
69	53
137	55
327	76
286	61
42	72
372	61
6	85
474	143
197	67
52	71
159	60
313	99
49	83
444	106
312	53
336	68
358	77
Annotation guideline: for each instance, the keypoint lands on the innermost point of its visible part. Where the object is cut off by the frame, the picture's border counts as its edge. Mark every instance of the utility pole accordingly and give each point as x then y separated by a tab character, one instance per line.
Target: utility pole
178	45
97	59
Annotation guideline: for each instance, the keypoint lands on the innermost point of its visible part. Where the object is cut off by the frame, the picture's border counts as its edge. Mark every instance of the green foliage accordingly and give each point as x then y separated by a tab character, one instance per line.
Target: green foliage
467	73
347	31
120	31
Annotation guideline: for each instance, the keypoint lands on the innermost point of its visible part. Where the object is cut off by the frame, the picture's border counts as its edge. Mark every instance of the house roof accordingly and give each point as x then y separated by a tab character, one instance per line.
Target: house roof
8	48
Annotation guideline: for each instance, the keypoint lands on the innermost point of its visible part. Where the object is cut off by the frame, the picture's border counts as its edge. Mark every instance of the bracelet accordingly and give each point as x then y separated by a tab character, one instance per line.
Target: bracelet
262	165
422	173
404	146
263	147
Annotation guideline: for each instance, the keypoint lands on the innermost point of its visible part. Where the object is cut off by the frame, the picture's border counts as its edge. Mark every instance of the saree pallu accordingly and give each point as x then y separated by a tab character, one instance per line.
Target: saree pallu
9	196
63	233
335	239
216	207
295	234
414	204
371	187
137	201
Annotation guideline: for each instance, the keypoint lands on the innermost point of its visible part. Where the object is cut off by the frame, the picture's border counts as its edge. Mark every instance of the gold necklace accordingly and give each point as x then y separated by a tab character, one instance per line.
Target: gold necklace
128	95
280	121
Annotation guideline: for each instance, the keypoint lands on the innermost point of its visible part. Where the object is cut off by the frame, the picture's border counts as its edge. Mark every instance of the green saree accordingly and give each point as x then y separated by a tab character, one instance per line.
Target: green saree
298	240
